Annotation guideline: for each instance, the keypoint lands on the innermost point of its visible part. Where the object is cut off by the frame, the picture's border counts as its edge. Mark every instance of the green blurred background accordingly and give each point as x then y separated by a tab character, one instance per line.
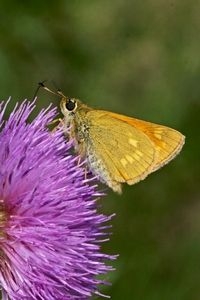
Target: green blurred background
140	58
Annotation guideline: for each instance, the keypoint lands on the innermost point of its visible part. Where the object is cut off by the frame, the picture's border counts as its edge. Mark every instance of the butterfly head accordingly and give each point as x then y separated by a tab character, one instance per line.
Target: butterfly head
72	108
68	106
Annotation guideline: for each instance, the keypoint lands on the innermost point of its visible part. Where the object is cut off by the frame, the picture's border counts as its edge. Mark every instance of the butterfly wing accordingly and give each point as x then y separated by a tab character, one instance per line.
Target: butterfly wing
126	152
129	148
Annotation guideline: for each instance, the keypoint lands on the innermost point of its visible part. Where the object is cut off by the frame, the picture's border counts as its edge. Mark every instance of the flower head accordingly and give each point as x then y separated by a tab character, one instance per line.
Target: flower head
50	230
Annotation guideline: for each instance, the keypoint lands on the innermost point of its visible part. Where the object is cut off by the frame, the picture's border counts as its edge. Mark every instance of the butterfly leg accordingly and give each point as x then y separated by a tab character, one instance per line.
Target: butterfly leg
81	151
85	172
60	123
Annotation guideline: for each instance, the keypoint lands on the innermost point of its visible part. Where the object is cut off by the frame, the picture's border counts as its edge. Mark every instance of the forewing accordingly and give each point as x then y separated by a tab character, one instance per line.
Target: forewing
127	152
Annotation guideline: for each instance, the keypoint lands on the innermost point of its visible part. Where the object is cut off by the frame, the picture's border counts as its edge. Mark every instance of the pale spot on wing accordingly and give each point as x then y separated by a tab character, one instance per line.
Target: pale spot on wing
129	158
133	142
123	162
136	156
158	135
138	152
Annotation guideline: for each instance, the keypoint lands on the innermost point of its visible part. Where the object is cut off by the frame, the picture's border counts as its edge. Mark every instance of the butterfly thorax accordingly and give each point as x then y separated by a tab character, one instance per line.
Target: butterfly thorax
76	121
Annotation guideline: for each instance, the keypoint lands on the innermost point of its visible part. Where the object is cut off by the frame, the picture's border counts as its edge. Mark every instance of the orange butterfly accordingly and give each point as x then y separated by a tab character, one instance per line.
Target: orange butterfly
118	148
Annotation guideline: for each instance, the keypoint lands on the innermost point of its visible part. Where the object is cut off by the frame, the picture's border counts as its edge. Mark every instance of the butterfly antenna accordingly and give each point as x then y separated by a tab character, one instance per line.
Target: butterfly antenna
41	84
59	92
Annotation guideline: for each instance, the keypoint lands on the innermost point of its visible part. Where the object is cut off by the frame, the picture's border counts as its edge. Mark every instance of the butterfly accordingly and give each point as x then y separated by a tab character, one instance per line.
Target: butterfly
118	149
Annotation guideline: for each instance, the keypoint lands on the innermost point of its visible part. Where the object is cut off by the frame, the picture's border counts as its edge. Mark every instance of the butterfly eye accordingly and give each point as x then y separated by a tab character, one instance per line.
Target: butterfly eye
70	105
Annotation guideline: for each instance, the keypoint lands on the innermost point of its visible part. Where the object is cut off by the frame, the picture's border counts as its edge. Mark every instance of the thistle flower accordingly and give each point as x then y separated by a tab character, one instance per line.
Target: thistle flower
50	230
